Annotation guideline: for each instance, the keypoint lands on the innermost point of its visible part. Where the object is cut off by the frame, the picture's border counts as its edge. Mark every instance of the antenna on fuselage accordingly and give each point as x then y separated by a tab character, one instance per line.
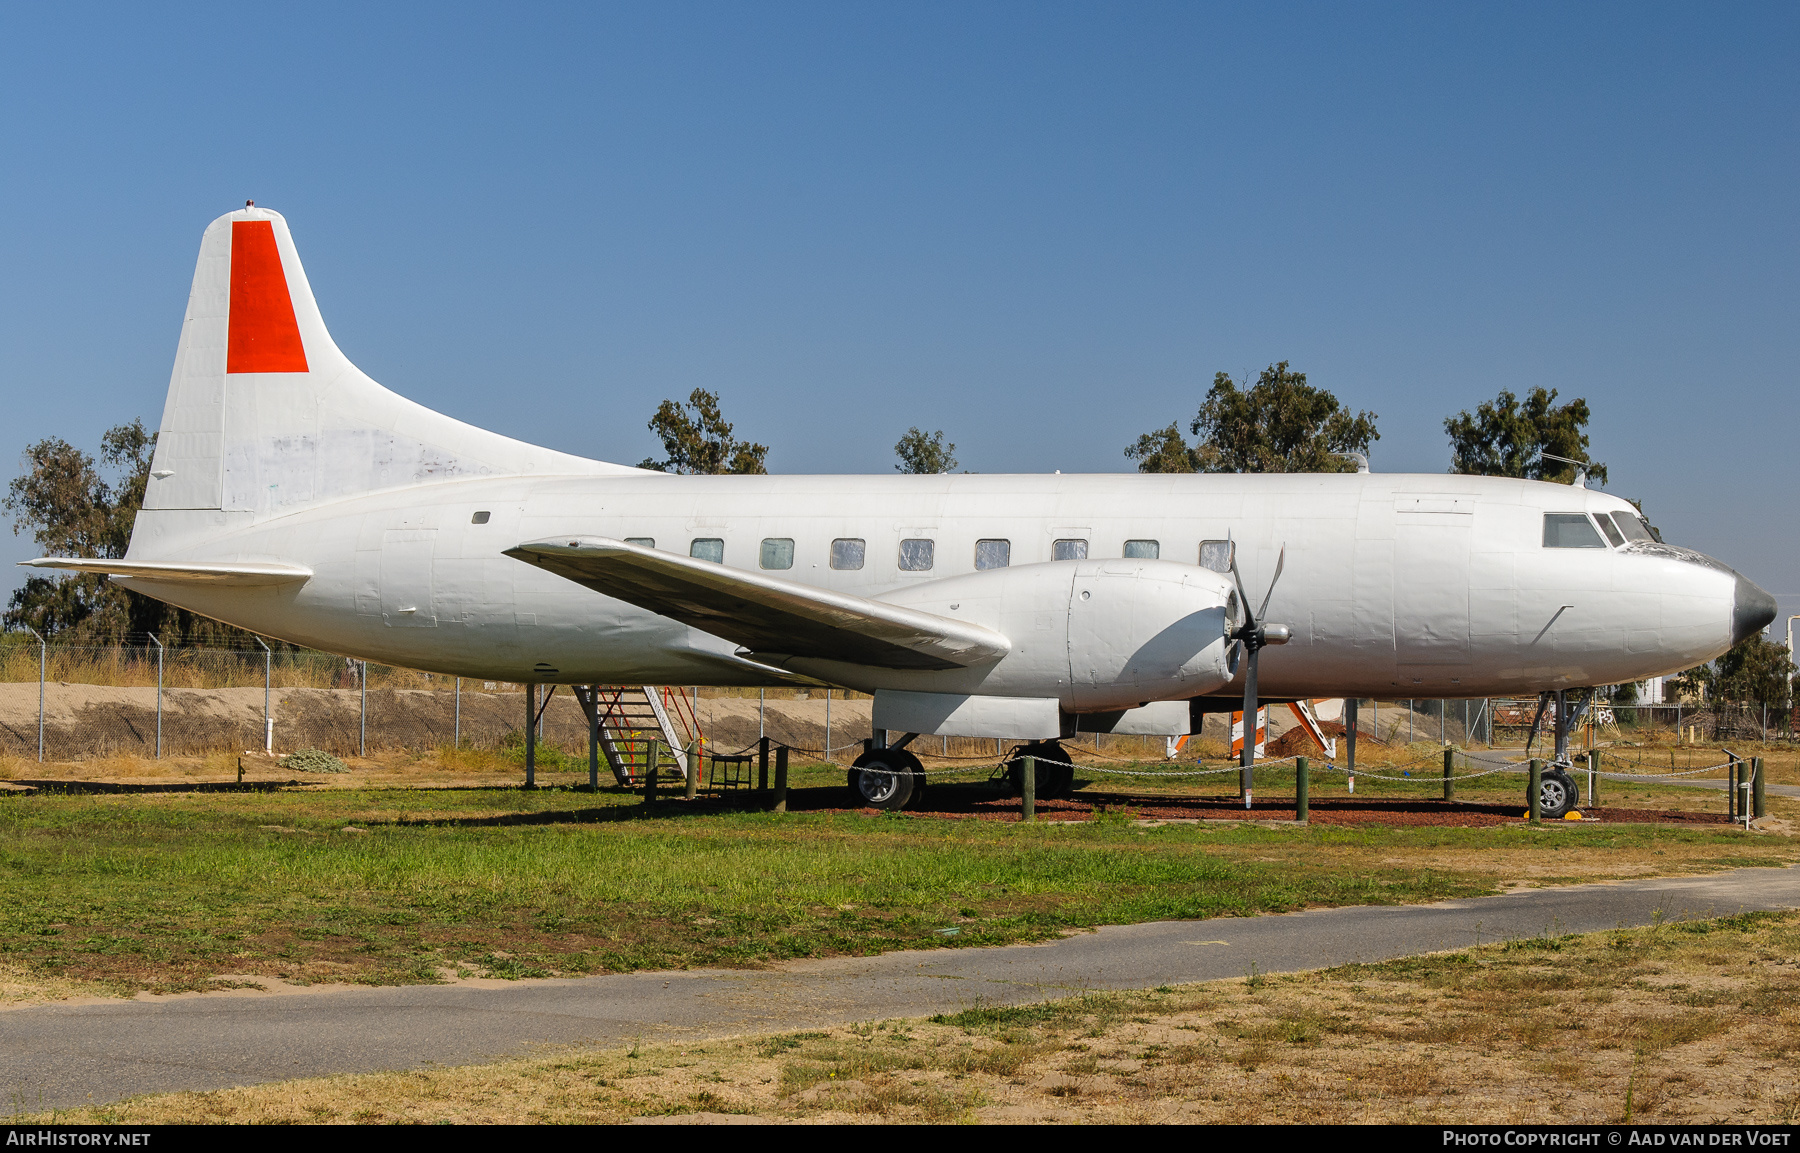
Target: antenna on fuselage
1581	467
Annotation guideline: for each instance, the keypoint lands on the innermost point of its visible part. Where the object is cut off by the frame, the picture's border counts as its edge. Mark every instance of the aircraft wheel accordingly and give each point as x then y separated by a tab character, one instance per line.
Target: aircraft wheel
1556	794
884	778
1055	777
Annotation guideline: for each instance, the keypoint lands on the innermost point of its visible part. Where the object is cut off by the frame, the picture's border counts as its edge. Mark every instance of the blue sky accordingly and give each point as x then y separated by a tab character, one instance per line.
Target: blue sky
1039	227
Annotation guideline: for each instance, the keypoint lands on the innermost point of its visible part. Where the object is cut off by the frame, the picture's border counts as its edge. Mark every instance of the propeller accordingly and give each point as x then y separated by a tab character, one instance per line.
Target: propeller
1252	637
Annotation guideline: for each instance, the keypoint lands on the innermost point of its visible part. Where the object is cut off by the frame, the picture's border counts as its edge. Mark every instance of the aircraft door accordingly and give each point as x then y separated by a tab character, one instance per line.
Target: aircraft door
1431	580
406	556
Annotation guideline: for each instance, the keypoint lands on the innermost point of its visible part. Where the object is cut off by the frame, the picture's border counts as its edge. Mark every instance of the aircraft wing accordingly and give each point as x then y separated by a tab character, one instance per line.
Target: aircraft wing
240	573
762	613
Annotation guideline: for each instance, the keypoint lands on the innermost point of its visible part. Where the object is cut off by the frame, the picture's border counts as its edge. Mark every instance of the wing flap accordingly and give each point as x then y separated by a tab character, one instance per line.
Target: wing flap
766	615
240	573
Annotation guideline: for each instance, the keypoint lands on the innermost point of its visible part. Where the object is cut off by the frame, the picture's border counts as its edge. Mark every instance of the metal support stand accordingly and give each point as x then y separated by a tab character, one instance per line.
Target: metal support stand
362	722
1350	740
593	719
159	688
531	690
268	718
1562	727
43	651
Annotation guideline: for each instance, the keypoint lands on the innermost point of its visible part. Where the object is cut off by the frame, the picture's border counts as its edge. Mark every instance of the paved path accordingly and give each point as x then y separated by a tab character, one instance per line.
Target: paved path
59	1056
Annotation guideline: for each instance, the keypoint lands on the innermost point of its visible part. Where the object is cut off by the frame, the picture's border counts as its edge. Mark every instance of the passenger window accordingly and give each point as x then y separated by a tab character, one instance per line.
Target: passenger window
641	541
1069	550
1142	550
480	518
916	554
1613	536
777	552
1570	530
992	554
1217	555
847	553
1631	526
708	548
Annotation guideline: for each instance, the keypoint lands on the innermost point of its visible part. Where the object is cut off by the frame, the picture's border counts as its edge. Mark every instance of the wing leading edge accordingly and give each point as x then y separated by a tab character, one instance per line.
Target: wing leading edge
769	617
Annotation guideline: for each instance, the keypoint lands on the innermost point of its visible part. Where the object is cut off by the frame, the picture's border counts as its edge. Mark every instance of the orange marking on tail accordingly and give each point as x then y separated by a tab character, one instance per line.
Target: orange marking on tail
264	335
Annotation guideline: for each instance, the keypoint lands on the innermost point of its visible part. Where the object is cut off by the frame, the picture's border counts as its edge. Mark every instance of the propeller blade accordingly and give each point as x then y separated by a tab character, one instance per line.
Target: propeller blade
1279	561
1248	755
1243	597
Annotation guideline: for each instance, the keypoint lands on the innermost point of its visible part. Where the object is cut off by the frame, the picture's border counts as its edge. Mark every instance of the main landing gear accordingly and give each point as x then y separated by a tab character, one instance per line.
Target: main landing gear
1055	776
887	779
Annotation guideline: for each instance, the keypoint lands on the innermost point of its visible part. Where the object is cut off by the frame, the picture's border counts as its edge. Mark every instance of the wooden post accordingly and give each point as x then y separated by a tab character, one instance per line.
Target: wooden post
762	764
1302	802
1028	789
1449	774
1758	806
693	768
1533	787
652	759
781	756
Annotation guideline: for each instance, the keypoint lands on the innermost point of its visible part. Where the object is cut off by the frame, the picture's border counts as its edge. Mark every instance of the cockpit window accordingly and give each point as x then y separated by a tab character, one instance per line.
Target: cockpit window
1613	536
1631	526
1570	530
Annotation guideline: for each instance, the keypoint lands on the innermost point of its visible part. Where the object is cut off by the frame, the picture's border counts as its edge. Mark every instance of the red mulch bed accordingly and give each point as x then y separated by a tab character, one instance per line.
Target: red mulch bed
984	805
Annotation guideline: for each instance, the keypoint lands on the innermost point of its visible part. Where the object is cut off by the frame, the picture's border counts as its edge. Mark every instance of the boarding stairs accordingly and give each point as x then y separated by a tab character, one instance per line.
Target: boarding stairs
628	717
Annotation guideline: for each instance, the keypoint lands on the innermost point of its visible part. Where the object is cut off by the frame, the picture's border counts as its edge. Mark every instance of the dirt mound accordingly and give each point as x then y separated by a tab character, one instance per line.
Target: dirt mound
1296	742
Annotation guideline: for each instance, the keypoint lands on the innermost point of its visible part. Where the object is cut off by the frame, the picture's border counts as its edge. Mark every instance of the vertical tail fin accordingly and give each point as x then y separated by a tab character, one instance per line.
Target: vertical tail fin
265	415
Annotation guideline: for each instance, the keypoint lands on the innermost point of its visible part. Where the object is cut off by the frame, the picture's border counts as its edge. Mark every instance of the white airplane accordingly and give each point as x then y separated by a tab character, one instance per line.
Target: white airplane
293	496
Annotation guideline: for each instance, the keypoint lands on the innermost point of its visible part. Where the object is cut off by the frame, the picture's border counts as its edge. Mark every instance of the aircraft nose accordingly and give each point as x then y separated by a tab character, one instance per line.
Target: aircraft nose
1751	611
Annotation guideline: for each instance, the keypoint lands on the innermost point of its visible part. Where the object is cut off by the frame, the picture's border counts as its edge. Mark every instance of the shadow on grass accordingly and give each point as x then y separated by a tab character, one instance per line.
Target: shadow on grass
49	787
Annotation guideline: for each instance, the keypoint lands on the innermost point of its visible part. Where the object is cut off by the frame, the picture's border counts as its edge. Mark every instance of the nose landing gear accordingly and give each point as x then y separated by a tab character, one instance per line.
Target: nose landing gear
1557	793
1055	777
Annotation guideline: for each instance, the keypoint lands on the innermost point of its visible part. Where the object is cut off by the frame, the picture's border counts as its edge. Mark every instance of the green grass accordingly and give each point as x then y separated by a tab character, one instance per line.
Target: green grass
167	891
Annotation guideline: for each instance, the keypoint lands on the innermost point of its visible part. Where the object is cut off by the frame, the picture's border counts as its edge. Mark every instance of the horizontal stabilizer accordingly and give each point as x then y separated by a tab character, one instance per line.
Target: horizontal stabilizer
243	574
765	615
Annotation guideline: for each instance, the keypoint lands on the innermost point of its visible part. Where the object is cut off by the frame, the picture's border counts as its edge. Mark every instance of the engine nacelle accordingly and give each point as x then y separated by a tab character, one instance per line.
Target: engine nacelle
1097	635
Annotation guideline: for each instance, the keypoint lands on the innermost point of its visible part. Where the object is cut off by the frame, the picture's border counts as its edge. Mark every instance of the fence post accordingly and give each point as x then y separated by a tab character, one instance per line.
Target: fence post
762	764
781	762
456	725
268	720
693	768
652	761
1302	800
1593	778
159	684
1533	786
1028	788
42	652
1757	805
1449	774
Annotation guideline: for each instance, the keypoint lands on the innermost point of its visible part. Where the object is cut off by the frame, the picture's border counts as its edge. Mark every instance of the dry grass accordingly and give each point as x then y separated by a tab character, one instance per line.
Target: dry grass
1677	1023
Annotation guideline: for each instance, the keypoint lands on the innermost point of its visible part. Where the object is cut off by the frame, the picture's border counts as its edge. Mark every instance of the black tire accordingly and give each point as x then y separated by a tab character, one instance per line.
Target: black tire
884	779
1556	794
1054	777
